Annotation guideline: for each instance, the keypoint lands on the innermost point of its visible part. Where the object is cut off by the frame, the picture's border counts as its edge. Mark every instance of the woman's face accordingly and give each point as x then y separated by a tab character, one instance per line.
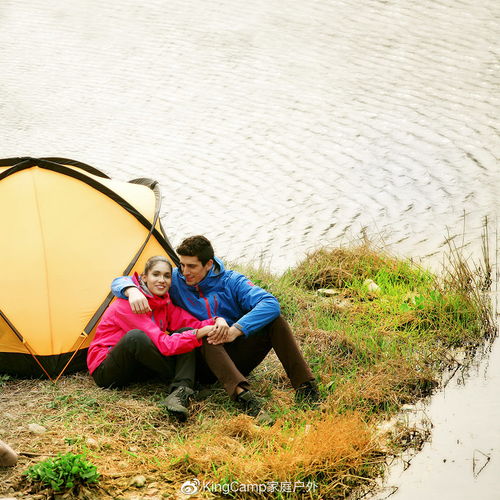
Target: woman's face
158	279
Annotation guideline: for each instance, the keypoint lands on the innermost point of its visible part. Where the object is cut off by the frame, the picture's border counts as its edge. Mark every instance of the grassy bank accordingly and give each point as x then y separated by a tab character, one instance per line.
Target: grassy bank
377	331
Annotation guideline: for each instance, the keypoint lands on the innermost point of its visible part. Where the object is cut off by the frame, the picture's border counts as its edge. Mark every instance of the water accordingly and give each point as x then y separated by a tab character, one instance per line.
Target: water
462	459
273	127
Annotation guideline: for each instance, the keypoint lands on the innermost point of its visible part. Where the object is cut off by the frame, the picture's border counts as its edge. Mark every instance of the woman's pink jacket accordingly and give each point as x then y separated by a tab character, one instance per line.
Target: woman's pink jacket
118	319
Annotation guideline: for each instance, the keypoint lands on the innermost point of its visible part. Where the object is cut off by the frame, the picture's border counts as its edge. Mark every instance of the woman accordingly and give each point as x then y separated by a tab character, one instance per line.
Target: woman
128	347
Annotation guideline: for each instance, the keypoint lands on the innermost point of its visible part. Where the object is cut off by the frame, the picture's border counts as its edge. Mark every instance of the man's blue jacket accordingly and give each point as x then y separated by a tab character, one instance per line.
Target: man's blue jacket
222	293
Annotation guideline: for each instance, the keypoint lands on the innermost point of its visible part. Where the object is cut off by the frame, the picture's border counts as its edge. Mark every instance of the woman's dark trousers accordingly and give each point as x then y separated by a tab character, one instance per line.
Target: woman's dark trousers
135	358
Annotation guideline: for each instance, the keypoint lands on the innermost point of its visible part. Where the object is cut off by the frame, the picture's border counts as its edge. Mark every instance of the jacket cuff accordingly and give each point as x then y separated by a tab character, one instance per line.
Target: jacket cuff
239	327
126	287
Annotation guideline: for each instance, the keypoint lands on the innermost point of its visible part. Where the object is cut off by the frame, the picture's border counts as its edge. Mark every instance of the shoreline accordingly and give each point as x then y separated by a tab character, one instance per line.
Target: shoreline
462	453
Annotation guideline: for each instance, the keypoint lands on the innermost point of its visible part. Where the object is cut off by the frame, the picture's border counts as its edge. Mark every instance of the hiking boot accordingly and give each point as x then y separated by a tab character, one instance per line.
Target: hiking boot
307	392
250	404
177	401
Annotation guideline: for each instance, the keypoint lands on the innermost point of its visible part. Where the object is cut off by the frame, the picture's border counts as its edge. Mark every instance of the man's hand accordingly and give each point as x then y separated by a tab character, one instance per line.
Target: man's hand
231	334
137	300
203	332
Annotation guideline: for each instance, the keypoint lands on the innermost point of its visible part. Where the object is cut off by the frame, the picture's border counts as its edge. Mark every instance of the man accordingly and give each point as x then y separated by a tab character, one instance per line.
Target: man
252	328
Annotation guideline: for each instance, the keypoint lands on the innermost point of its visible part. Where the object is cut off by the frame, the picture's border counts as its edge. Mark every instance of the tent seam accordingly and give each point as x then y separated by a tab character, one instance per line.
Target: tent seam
44	257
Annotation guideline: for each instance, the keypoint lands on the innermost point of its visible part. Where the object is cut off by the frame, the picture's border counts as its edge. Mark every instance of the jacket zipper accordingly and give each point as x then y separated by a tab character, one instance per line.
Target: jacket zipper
207	303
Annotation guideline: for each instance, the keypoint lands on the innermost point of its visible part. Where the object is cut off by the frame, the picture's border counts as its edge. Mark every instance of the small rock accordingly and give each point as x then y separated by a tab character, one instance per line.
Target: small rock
37	429
328	292
371	285
138	481
91	442
408	407
133	449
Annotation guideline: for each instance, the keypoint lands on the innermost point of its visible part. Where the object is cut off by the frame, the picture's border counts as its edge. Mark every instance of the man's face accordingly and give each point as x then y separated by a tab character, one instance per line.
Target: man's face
193	270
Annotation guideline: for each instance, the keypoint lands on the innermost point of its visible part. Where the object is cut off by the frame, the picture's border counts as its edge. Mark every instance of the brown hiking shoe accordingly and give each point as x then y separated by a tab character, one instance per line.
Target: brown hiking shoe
251	404
307	392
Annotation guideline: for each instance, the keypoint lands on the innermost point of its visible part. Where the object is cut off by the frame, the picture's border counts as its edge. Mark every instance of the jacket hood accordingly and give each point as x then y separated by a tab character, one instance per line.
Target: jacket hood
212	277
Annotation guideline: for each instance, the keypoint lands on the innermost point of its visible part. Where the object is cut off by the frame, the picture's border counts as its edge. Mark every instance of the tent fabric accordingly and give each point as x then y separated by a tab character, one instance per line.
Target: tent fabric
67	231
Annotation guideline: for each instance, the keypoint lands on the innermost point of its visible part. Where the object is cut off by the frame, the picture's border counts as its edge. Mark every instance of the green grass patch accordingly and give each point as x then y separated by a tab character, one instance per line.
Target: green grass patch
377	332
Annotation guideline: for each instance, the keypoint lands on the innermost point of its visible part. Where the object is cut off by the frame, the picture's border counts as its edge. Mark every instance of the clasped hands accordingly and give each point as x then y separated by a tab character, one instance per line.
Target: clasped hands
219	333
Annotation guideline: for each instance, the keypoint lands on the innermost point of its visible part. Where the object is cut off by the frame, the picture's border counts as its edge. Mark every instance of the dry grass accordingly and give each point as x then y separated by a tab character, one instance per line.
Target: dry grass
371	353
129	436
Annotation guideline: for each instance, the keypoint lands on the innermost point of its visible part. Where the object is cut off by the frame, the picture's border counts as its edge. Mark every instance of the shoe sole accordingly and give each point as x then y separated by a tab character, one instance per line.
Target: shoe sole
178	415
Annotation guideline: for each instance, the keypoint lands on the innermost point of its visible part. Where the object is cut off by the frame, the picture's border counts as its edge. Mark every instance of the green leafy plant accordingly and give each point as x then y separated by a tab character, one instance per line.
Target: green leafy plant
63	472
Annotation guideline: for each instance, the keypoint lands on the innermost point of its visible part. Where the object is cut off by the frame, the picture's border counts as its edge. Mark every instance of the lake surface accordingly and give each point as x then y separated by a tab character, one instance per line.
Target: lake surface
278	127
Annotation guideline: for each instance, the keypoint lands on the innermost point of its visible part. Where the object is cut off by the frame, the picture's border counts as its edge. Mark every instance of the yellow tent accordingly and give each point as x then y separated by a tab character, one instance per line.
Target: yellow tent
67	230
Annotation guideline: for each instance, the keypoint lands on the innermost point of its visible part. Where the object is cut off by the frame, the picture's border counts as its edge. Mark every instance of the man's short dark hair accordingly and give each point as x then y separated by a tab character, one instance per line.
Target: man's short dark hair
197	246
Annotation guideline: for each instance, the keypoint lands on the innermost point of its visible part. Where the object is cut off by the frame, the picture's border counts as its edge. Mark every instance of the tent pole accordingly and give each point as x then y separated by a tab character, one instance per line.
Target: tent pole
100	311
84	335
28	347
36	359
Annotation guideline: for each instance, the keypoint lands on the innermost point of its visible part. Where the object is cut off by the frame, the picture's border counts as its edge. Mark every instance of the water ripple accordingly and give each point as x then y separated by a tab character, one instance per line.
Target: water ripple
271	128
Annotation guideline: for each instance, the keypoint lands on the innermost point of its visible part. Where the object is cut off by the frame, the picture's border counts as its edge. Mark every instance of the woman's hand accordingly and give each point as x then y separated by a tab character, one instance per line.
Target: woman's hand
137	300
203	332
